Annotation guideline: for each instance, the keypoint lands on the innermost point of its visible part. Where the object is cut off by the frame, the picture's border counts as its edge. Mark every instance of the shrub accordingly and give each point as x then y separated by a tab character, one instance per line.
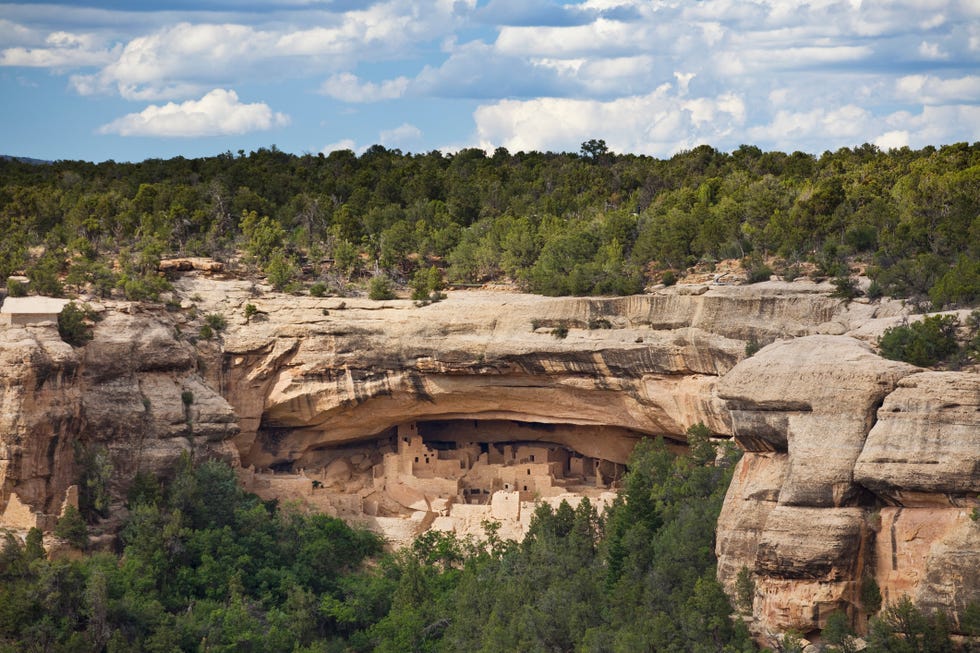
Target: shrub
668	278
751	347
281	271
838	632
845	287
94	477
187	397
71	528
861	238
960	285
206	332
923	343
875	291
249	312
560	332
145	287
216	321
426	285
758	273
16	288
381	288
744	590
870	595
145	490
599	323
318	289
73	325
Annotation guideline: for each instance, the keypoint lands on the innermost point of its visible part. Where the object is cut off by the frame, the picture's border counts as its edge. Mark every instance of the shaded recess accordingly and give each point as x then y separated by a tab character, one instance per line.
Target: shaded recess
481	456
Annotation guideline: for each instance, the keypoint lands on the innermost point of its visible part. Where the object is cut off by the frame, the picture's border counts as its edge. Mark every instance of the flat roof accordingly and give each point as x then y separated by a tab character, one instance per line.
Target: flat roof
33	305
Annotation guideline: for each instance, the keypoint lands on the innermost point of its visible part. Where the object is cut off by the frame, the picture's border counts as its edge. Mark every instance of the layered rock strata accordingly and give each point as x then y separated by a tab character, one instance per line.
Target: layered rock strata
133	395
857	469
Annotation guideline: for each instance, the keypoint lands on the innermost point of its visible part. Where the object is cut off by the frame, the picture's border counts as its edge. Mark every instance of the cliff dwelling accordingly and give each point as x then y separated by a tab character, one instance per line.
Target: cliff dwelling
452	474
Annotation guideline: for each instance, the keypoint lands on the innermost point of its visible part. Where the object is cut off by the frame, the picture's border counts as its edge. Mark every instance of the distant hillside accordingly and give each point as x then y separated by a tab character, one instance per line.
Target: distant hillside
24	159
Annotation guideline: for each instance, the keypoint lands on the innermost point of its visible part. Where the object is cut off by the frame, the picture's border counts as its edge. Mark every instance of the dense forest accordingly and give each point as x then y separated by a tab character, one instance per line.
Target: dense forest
593	222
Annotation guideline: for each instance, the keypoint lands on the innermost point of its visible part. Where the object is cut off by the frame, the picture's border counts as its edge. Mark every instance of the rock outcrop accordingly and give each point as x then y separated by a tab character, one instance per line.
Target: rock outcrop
856	468
132	393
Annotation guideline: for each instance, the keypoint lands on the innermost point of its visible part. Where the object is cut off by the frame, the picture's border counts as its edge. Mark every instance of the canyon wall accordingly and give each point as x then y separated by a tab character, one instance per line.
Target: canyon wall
857	471
856	468
132	398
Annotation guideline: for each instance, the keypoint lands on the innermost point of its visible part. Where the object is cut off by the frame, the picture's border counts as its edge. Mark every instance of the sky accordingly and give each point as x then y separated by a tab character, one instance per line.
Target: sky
132	80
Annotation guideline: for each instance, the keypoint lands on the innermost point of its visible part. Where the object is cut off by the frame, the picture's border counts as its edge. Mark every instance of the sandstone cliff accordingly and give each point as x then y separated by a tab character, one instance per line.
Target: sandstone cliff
856	468
133	394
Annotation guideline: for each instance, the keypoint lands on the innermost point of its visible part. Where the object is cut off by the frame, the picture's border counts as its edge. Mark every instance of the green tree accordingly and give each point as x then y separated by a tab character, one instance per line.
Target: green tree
924	343
426	284
744	590
960	285
838	632
281	270
380	288
263	236
73	325
71	528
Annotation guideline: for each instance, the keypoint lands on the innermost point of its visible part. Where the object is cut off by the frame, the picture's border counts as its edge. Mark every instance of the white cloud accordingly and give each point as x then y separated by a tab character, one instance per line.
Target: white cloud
183	59
403	135
59	50
343	144
931	51
217	113
928	89
804	129
14	34
932	22
602	36
937	124
683	80
348	88
658	123
178	61
793	74
893	140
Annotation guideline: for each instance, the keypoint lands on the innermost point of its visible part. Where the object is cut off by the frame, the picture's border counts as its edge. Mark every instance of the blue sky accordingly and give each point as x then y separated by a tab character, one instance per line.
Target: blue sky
110	79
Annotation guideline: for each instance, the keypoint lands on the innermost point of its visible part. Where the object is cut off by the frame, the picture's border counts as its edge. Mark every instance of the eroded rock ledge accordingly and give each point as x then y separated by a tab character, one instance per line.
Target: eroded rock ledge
857	470
855	467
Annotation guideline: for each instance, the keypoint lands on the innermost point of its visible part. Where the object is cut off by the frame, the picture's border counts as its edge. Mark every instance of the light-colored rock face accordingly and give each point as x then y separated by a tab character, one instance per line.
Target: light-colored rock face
855	467
836	436
816	398
924	447
122	393
39	410
310	375
649	363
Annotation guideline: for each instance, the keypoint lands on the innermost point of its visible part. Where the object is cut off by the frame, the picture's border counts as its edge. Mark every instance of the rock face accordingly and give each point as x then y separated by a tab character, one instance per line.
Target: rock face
123	394
939	465
856	468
